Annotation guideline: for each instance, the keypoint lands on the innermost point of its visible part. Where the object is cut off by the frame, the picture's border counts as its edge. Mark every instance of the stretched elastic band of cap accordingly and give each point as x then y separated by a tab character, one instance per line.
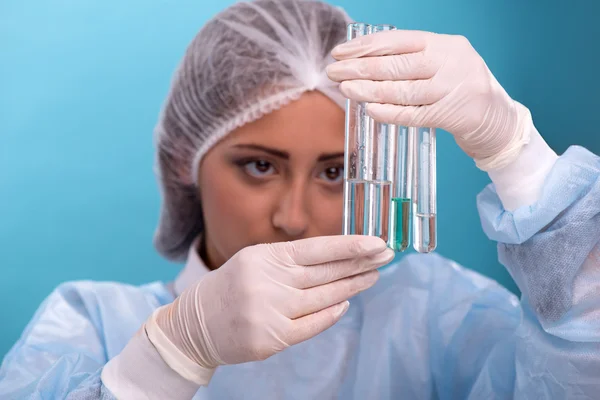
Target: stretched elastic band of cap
174	358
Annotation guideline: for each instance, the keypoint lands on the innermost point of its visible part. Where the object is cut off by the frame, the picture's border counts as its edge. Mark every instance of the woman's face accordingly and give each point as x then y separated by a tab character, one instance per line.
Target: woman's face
276	179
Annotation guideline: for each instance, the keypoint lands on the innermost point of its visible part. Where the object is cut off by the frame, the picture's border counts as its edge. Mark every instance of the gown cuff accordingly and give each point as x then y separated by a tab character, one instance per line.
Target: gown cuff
139	372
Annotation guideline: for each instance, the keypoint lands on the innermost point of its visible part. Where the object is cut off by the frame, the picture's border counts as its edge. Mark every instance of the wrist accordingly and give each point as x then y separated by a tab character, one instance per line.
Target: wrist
139	372
518	128
171	347
519	183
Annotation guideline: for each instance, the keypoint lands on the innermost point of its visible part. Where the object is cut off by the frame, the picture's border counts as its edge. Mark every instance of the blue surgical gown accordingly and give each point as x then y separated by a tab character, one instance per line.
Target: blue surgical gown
429	329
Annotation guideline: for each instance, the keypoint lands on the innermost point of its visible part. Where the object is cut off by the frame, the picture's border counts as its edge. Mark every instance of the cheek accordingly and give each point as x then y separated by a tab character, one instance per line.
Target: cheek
232	211
326	211
217	199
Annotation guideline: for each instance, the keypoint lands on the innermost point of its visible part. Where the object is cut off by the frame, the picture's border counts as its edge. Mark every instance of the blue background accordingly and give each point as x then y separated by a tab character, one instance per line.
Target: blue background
82	83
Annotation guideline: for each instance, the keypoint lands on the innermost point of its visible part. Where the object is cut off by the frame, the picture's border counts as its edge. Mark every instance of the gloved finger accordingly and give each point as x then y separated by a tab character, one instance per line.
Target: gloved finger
317	275
320	297
386	68
406	93
402	115
382	44
324	249
311	325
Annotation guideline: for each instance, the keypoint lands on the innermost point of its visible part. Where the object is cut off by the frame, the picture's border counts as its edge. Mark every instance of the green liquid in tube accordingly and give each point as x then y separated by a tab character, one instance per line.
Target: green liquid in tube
400	229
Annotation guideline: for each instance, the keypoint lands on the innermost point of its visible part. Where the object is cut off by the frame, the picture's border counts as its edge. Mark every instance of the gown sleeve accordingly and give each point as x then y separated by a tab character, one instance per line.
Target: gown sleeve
486	343
87	341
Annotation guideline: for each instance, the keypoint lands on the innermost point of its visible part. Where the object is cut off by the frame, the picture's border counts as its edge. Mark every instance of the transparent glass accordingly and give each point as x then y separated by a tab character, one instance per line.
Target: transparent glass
401	207
424	190
368	166
400	161
382	27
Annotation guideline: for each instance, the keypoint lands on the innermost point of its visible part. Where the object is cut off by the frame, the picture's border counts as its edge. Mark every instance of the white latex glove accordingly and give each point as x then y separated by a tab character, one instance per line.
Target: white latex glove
263	300
415	78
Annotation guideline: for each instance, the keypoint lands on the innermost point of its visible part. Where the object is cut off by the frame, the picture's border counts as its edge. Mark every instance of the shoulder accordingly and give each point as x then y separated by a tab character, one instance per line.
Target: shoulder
87	309
95	295
79	326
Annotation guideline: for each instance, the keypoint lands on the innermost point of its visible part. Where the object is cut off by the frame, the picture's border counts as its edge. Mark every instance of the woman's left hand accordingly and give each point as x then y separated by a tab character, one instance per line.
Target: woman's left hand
415	78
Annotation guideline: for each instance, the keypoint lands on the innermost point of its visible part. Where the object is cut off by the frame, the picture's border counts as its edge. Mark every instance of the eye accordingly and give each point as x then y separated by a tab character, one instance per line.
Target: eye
333	174
259	168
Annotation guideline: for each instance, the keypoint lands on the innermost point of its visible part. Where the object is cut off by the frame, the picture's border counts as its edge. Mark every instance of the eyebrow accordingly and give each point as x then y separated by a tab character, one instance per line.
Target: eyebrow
283	154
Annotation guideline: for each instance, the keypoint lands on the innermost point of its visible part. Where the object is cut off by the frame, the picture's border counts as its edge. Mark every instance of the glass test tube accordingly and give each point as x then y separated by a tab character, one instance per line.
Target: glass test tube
424	190
400	162
401	208
367	167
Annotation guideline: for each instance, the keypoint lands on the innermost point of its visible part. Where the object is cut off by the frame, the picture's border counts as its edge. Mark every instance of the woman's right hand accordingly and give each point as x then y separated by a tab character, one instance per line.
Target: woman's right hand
264	299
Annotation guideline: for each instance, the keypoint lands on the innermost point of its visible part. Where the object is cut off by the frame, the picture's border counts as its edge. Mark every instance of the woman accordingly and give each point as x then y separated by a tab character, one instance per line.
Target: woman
250	152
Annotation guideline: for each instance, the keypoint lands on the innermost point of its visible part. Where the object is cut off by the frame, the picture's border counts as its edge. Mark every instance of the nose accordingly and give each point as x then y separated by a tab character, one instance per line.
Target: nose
290	215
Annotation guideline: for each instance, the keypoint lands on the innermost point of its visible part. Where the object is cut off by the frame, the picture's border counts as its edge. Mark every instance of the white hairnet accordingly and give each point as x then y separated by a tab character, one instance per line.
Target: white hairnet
249	60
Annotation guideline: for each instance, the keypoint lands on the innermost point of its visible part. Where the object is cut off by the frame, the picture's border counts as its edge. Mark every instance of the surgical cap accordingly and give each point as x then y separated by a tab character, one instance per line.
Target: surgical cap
249	60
